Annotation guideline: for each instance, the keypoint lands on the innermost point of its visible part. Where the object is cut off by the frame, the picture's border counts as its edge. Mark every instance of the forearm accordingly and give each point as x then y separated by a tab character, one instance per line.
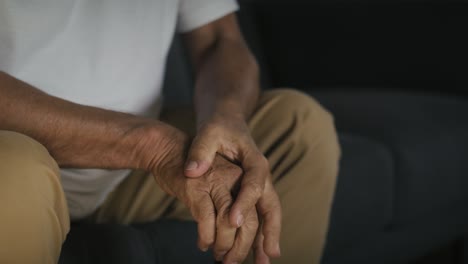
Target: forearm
227	81
76	135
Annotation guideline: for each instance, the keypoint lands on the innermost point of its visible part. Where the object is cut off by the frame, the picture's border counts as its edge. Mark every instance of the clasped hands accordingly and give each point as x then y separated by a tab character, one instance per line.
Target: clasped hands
225	181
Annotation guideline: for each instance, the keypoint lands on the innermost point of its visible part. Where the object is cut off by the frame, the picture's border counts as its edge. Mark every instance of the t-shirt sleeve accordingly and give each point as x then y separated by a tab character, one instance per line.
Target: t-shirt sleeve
196	13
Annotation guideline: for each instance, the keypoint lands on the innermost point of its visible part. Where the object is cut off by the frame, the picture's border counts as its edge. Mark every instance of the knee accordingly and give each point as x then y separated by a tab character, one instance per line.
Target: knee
19	151
30	186
295	106
26	168
303	118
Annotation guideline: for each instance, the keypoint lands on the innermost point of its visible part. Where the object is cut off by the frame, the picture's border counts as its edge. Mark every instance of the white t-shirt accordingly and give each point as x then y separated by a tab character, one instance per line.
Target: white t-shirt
105	53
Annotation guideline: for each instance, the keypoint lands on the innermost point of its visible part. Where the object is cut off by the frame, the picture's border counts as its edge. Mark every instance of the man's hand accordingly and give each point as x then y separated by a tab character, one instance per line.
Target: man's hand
226	93
230	137
209	199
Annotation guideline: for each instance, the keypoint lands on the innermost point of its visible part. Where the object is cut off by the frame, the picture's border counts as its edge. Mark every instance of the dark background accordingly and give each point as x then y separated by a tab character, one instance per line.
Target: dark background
407	45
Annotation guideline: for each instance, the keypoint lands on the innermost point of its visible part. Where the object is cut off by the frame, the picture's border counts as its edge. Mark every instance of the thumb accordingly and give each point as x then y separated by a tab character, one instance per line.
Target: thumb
200	157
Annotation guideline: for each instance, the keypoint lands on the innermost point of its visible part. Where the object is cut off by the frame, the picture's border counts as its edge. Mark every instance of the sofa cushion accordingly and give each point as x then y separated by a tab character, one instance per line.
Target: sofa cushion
406	242
364	194
427	136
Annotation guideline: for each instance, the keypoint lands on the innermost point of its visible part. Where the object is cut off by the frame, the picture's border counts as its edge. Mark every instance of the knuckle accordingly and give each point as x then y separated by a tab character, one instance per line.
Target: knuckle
224	204
223	214
193	193
264	161
260	159
221	196
256	189
265	164
252	225
205	214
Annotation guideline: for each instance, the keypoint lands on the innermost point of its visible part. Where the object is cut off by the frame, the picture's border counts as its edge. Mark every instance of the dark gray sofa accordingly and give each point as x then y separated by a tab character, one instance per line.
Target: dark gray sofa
395	75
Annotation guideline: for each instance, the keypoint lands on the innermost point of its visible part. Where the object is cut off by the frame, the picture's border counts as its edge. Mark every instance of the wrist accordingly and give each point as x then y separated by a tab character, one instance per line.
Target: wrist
154	143
220	117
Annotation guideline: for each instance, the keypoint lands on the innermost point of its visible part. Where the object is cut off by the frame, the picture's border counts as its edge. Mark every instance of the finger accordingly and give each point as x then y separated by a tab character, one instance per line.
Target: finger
259	254
225	233
269	208
200	156
256	170
204	213
244	239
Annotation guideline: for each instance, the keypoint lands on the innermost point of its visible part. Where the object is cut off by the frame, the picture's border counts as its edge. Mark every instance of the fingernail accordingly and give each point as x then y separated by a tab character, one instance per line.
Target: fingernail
278	250
191	165
240	220
204	249
220	256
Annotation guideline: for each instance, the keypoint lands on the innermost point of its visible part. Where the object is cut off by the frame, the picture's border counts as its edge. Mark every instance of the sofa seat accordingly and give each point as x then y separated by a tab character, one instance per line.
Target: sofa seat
426	140
427	136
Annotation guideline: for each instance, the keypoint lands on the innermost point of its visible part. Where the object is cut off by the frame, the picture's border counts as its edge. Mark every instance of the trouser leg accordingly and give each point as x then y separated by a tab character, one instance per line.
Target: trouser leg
34	216
299	139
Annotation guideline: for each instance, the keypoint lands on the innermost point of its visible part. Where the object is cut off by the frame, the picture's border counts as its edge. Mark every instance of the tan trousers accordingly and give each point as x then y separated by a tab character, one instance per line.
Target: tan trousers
294	132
